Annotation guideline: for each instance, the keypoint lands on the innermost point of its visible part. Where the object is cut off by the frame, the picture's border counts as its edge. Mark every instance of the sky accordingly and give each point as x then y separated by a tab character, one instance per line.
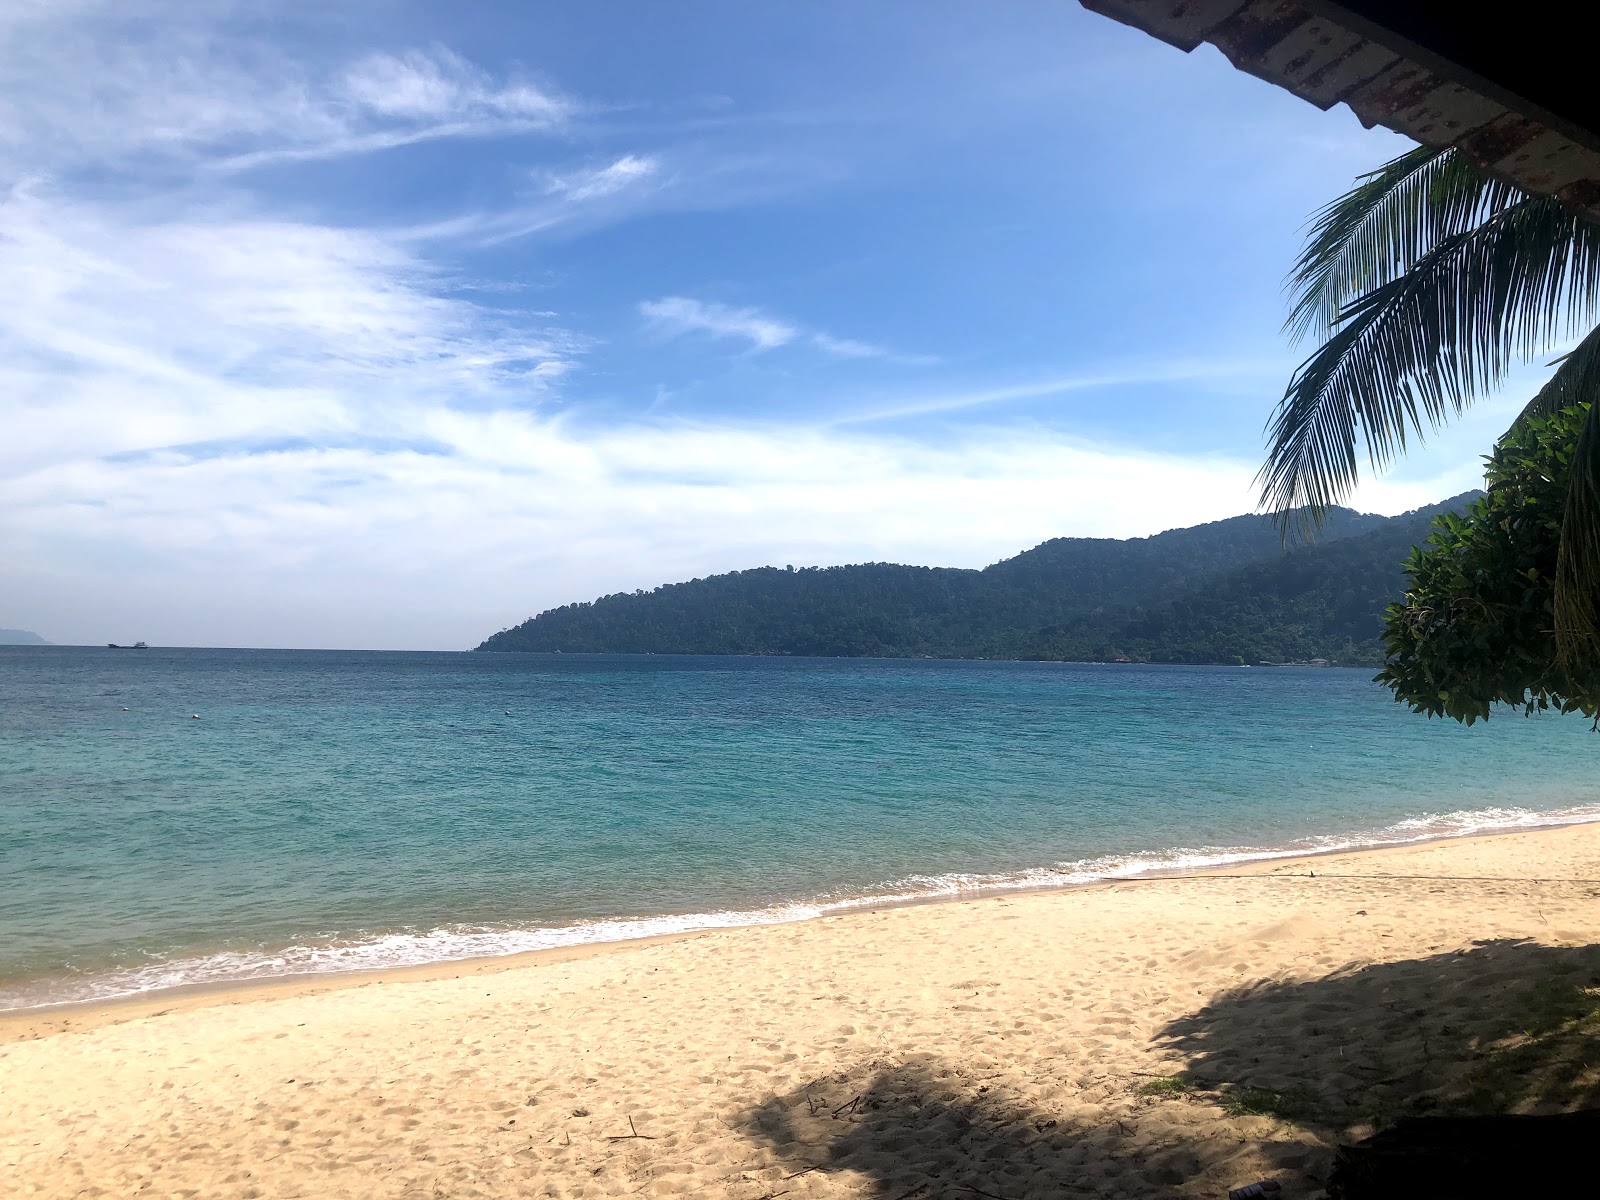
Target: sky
388	325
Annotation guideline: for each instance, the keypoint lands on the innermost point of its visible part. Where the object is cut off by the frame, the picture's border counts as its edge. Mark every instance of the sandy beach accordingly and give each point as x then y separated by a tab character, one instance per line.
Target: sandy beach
1171	1036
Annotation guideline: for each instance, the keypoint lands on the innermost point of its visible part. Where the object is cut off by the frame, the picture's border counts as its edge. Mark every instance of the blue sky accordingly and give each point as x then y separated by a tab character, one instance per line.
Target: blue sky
389	325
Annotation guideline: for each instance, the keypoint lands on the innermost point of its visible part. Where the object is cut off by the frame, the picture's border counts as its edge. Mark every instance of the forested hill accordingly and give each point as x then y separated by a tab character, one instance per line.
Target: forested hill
1219	592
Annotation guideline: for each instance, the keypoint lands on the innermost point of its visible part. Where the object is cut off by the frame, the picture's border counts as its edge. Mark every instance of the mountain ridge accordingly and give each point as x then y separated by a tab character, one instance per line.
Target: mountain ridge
1223	591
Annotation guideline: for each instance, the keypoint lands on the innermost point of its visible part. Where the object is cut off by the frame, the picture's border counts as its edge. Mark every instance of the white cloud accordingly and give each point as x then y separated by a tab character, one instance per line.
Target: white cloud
850	348
675	316
119	337
1269	371
564	199
847	347
71	97
387	100
592	184
439	85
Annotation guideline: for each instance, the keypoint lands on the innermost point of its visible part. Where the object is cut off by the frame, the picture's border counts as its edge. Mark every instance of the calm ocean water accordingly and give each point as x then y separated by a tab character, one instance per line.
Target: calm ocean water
334	810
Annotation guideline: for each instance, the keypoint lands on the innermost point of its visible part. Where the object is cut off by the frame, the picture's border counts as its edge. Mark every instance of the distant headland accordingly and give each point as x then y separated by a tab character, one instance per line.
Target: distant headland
1225	592
21	637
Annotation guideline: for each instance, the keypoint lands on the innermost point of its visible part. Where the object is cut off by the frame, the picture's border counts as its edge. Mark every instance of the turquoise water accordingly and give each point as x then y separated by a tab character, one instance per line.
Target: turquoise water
334	810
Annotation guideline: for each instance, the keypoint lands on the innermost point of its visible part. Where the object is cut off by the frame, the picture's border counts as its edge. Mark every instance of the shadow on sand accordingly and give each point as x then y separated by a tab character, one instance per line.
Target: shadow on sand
1266	1080
1507	1026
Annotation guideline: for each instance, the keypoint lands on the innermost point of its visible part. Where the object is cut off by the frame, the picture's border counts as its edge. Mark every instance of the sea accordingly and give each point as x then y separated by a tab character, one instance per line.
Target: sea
174	817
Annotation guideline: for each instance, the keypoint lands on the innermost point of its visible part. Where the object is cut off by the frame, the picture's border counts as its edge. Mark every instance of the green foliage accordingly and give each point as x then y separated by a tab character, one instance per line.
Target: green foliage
1424	283
1297	1105
1477	626
1168	1088
1217	593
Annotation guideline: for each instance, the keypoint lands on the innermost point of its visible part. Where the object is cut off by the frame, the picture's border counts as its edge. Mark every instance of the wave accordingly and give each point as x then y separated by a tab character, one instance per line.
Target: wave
457	943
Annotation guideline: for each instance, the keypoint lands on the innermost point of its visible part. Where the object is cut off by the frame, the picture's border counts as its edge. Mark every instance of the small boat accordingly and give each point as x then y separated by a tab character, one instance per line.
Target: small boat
135	646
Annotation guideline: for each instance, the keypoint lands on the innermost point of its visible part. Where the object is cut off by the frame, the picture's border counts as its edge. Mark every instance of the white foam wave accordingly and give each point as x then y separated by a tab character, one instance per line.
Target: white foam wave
1191	859
400	949
455	943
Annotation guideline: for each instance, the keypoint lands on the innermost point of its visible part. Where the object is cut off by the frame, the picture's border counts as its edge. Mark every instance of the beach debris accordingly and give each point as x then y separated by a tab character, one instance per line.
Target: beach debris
632	1133
1255	1191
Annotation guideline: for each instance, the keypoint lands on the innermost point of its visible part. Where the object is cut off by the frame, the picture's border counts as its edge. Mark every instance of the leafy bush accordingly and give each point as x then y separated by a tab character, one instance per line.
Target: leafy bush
1477	625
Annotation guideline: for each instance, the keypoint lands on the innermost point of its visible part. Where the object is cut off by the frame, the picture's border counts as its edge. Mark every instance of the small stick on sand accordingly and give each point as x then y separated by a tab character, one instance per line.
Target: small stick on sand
850	1104
631	1134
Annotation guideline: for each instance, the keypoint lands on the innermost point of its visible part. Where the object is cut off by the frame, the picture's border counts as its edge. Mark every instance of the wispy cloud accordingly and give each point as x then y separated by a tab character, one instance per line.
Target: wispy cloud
675	316
438	85
68	99
846	347
180	331
570	199
1178	371
850	348
593	183
384	101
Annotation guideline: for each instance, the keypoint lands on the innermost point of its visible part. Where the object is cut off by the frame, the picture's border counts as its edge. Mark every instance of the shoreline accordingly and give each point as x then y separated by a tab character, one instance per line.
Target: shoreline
1159	1036
44	1020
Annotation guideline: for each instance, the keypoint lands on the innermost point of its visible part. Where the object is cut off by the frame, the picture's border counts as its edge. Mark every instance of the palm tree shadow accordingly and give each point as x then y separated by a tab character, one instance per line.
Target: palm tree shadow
925	1129
1508	1026
1505	1027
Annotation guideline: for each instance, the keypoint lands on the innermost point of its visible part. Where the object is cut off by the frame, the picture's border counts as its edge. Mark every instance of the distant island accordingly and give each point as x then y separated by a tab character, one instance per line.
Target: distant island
21	637
1224	592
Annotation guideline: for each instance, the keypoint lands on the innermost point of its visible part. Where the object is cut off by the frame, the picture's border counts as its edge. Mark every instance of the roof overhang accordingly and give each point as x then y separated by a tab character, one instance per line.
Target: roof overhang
1513	91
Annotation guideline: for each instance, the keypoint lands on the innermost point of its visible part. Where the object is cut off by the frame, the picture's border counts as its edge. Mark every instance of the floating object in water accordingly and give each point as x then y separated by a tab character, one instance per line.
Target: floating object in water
196	716
124	708
508	712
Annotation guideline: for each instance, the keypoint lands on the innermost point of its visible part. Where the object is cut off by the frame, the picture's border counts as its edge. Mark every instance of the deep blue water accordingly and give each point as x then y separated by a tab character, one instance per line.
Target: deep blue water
346	809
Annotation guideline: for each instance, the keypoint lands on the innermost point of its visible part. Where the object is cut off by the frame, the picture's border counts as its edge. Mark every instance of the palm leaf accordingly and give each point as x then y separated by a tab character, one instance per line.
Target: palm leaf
1576	380
1376	231
1413	351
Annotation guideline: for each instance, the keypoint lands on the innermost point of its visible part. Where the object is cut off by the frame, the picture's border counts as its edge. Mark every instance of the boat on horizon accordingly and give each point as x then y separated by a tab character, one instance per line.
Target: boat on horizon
135	646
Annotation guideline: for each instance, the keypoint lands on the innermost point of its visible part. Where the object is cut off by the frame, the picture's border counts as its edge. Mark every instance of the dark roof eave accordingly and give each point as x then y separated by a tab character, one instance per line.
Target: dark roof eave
1327	54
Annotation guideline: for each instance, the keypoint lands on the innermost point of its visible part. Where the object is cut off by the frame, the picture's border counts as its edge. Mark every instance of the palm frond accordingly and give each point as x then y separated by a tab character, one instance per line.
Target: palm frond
1415	350
1576	380
1378	229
